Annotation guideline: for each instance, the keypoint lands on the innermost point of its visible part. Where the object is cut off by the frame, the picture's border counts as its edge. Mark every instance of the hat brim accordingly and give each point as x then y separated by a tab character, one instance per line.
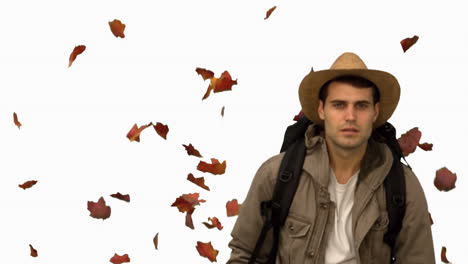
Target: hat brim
387	84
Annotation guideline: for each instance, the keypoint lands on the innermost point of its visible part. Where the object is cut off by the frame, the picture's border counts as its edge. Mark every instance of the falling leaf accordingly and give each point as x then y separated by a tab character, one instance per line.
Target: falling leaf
122	197
215	167
206	250
409	141
117	28
186	203
223	83
268	13
134	133
155	240
161	129
232	208
214	223
296	117
198	181
445	179
116	259
222	111
191	151
99	210
408	42
76	51
425	146
443	256
15	120
27	184
206	74
430	218
33	251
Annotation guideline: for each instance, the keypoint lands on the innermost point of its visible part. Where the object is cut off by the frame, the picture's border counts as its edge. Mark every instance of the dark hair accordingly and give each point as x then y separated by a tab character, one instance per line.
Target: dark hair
353	80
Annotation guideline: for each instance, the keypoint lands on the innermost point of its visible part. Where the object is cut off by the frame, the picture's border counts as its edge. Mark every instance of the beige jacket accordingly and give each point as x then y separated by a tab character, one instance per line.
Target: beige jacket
303	238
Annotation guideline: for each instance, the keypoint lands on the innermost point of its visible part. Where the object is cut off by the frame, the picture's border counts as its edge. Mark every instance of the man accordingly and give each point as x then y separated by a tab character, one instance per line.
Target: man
339	214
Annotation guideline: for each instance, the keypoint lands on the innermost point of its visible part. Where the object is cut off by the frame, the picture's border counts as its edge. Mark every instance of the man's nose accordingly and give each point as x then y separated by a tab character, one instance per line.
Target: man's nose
350	113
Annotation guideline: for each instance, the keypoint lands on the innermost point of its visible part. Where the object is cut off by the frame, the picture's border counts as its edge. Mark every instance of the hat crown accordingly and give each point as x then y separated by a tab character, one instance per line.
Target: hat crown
348	60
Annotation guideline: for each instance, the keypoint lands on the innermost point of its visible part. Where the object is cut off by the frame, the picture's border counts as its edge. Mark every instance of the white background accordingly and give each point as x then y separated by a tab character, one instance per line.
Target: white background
75	120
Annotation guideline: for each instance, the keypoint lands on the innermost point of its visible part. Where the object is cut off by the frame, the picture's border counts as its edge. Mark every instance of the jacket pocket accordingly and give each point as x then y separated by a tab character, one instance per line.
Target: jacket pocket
295	237
379	250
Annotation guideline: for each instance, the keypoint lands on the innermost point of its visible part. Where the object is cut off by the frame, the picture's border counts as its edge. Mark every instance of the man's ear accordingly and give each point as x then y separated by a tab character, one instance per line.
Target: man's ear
320	110
377	110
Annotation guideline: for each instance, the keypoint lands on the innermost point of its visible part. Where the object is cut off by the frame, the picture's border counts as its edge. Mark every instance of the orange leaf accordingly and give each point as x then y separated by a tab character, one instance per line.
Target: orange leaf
33	251
409	141
155	240
268	13
296	117
206	250
198	181
443	256
161	129
27	184
116	259
232	208
134	133
223	83
206	74
214	223
192	151
425	146
122	197
15	120
76	51
222	111
117	28
186	203
99	209
215	167
445	179
408	42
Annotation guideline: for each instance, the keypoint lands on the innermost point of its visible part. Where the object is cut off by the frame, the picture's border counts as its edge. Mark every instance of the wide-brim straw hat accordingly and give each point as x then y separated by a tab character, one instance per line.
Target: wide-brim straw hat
349	64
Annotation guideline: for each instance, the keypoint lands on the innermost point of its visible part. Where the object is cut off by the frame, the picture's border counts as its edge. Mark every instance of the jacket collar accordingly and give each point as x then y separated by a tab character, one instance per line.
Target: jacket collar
375	166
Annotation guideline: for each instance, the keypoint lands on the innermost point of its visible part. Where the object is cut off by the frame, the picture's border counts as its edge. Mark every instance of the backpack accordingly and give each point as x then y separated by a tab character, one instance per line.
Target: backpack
276	210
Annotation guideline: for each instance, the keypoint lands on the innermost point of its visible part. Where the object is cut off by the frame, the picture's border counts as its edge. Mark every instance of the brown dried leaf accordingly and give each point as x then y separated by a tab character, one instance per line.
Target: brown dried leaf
232	208
268	13
122	197
15	120
198	181
135	131
33	251
408	42
161	129
155	240
27	184
214	223
191	151
99	210
445	179
117	28
76	51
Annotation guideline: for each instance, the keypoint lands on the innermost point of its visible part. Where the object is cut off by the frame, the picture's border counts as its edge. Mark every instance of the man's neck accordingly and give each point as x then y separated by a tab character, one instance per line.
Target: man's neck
345	163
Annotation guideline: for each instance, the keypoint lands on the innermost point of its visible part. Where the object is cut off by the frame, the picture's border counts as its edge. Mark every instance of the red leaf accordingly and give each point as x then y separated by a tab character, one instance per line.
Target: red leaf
76	51
443	256
408	42
232	208
99	210
186	203
268	13
116	259
161	129
223	83
206	250
296	117
117	28
15	120
215	167
445	179
198	181
206	74
33	251
222	111
214	223
191	151
27	184
155	240
409	141
122	197
134	133
425	146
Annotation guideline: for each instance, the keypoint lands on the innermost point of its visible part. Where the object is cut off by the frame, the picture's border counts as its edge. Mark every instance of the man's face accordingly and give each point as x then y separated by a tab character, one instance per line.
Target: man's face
348	115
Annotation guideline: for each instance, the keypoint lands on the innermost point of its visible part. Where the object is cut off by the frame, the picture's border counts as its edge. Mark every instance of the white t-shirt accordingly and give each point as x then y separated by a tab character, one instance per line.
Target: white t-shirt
340	246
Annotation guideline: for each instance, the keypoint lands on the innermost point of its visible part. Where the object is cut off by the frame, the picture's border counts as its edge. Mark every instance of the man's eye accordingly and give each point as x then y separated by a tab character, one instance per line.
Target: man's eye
362	106
338	105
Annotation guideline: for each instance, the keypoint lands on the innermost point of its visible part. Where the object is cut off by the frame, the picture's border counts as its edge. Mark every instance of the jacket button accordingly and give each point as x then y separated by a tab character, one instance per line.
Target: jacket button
324	206
291	227
312	253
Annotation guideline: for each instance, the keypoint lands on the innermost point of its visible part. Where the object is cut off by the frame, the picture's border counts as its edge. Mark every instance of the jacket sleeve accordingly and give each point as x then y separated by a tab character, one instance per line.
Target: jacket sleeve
414	243
249	222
